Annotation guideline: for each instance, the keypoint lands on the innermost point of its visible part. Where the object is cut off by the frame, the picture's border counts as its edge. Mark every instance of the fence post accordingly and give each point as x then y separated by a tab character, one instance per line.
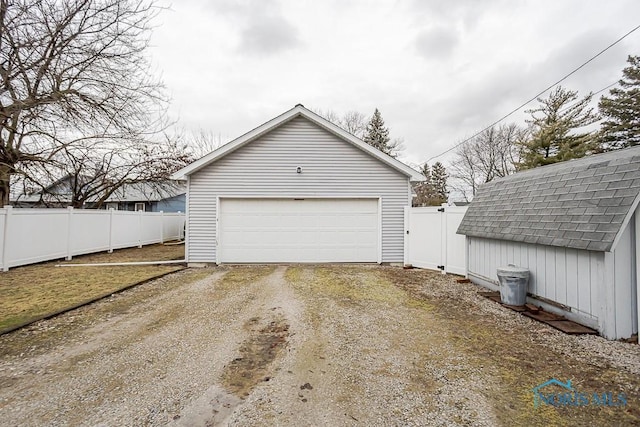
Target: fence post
5	243
139	229
407	230
182	231
443	238
161	226
110	230
69	230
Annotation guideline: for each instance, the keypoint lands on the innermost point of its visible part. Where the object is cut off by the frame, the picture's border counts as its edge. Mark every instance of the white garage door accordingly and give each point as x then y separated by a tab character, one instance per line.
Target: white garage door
298	230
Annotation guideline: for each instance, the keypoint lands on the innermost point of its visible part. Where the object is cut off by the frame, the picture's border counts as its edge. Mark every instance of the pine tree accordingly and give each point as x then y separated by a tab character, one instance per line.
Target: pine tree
426	172
554	125
433	190
621	110
439	182
425	195
377	134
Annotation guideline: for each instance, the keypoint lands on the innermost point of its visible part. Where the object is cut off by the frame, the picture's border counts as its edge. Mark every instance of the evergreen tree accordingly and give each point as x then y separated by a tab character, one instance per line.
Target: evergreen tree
377	134
433	190
554	125
439	182
425	195
621	110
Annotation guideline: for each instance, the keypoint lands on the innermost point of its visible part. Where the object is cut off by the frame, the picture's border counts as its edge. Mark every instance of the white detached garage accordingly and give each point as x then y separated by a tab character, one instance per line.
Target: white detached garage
296	189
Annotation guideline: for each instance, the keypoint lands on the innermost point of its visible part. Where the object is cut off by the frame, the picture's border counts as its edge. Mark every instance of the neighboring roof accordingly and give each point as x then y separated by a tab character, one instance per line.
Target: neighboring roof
138	192
297	111
148	191
581	204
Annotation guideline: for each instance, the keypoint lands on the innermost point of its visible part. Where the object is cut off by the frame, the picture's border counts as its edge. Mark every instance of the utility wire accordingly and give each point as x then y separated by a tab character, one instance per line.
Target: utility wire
605	88
539	94
593	94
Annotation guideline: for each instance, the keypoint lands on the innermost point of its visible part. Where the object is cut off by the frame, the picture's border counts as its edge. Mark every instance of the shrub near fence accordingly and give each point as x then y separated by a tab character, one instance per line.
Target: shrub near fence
28	236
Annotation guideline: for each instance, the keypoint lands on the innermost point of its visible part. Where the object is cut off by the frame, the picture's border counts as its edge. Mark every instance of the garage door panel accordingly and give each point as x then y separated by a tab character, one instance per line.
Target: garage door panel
287	230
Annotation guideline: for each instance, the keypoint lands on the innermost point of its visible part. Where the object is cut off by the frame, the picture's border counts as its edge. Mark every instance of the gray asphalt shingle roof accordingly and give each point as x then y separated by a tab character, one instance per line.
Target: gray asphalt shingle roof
578	204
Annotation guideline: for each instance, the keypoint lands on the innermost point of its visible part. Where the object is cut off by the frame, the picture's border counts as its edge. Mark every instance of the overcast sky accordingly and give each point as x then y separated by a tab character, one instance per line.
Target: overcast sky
437	70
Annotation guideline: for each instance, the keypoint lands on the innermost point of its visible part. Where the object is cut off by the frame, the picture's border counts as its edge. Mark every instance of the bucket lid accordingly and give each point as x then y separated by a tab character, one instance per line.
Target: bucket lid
513	271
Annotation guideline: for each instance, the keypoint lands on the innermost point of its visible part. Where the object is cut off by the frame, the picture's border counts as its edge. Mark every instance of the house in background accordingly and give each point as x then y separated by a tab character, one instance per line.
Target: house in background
56	195
576	226
296	189
166	196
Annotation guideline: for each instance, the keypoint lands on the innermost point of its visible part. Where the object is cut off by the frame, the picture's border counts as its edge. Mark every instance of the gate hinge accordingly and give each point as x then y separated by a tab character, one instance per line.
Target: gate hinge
440	209
441	267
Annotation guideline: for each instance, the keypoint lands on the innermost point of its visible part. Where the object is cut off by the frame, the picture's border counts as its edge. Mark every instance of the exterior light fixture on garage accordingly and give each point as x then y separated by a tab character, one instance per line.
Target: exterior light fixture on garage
298	169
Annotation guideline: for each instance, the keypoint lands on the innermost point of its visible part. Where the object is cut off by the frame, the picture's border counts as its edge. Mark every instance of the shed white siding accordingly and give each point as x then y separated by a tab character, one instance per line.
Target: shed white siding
598	287
267	166
567	276
620	287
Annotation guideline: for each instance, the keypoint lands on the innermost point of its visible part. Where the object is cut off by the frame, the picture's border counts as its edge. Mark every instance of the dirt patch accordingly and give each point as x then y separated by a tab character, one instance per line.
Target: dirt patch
266	340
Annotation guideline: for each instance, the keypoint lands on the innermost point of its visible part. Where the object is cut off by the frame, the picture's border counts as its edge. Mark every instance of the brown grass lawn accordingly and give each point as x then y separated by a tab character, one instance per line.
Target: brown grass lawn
31	292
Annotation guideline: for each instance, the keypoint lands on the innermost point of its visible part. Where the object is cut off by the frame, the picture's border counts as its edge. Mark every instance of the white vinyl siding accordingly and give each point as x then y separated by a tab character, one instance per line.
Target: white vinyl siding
266	167
599	287
567	276
620	288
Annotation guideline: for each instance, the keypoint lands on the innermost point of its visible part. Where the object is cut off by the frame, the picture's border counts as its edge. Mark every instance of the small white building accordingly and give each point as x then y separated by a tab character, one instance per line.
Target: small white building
296	189
575	226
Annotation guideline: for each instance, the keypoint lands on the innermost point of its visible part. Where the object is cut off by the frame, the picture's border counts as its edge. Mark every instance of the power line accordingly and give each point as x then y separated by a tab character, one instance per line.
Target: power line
605	88
539	94
593	94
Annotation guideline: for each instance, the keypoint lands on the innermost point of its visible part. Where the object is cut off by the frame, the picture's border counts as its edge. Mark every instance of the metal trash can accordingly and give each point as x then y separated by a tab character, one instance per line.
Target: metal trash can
513	284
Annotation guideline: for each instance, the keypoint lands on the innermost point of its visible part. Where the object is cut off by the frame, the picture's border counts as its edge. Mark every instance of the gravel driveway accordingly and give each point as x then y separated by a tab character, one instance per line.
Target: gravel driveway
304	345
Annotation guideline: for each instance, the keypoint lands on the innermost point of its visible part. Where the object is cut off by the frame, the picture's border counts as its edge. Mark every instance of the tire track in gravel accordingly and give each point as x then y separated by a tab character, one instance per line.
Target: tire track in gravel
368	354
270	321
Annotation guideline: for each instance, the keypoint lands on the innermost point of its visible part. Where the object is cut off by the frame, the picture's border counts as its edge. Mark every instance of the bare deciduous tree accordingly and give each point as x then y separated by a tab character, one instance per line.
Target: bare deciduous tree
353	122
72	71
95	170
197	144
492	154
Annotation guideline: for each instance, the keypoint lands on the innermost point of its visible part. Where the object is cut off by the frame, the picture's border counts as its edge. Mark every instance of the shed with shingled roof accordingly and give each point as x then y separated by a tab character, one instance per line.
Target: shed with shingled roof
574	225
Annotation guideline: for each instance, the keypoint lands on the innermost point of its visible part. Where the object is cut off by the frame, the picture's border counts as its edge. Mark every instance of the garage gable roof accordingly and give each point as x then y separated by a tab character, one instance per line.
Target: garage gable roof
297	111
582	204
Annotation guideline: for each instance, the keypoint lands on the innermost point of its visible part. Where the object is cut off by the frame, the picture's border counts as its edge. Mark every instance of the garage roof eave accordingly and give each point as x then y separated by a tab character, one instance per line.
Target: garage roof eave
298	110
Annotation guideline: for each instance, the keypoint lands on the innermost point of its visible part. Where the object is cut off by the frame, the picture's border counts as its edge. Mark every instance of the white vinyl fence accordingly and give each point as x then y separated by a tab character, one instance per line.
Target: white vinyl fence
28	236
431	240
